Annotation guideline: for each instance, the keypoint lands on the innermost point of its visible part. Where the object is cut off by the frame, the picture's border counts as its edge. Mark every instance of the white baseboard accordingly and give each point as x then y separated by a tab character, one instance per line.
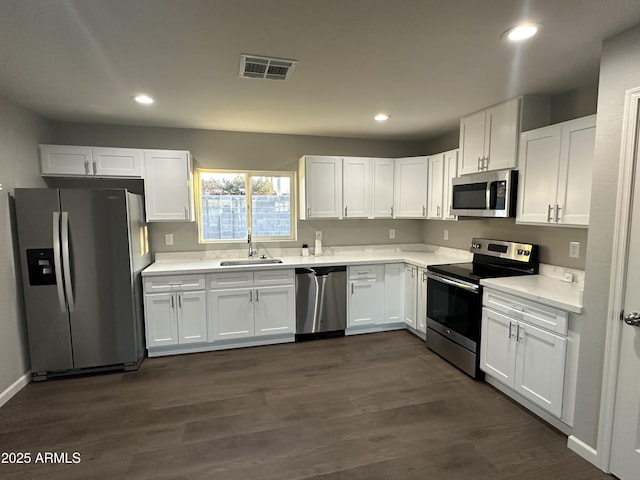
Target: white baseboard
14	388
585	451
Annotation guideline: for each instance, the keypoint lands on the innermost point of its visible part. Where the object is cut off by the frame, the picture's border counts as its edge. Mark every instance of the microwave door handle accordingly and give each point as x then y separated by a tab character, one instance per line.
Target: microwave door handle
57	262
66	260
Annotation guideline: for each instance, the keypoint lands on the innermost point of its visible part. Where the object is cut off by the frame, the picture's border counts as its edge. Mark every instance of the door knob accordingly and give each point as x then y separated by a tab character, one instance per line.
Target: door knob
632	319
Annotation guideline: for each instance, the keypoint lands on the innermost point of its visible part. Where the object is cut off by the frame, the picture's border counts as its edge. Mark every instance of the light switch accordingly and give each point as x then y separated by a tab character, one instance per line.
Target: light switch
392	233
574	249
168	238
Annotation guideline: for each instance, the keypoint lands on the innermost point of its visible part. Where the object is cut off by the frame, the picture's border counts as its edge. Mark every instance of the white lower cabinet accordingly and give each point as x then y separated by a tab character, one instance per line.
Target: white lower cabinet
520	349
366	295
393	293
175	310
251	304
421	308
410	296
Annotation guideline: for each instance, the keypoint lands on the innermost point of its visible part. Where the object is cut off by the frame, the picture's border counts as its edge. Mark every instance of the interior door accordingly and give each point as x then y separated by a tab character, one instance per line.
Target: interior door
625	454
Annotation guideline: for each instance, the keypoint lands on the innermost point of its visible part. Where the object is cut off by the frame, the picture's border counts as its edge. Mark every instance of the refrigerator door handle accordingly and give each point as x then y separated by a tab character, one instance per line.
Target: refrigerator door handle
66	265
57	261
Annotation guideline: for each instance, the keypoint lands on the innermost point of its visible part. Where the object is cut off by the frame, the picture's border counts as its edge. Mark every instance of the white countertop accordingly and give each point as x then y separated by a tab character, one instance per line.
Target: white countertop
548	290
212	265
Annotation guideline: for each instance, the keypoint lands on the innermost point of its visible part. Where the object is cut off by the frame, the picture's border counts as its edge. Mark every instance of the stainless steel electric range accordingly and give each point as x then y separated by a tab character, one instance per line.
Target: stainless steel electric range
454	298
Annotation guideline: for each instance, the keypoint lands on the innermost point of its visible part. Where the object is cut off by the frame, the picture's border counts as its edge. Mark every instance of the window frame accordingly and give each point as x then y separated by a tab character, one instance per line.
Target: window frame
249	197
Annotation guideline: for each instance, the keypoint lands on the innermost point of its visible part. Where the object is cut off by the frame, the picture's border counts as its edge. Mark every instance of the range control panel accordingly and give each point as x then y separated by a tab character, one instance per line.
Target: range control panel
523	252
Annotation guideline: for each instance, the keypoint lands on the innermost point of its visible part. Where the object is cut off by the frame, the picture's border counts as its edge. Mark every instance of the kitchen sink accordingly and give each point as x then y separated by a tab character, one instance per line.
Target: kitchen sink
250	261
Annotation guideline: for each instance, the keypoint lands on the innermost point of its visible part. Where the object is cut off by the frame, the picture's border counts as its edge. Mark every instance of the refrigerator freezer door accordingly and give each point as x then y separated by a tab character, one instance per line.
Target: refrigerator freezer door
47	325
103	323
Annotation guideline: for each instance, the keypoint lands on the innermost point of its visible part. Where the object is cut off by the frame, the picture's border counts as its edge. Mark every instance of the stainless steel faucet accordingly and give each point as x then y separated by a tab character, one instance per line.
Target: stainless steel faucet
252	252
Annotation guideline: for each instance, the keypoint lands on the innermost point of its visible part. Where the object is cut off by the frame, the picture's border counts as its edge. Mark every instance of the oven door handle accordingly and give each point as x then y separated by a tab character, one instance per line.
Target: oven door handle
455	283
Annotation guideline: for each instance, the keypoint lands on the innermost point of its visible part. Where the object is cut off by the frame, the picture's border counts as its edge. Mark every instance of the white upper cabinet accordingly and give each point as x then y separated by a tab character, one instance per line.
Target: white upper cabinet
357	183
556	165
320	181
383	187
436	186
443	167
168	186
102	162
489	138
410	187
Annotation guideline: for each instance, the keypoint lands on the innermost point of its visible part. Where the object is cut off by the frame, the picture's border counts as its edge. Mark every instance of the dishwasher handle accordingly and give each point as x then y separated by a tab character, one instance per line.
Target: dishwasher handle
321	271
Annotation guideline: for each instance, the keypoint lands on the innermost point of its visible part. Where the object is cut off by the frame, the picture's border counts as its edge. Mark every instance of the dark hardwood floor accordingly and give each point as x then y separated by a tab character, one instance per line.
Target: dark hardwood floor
378	406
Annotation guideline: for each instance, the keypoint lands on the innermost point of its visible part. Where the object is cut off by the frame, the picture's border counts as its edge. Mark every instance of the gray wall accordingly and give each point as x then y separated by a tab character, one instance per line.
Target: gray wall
553	241
252	151
20	133
619	71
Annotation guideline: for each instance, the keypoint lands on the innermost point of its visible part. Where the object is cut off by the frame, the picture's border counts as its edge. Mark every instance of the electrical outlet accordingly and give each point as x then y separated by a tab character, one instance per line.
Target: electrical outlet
392	233
168	238
446	234
319	235
567	277
574	249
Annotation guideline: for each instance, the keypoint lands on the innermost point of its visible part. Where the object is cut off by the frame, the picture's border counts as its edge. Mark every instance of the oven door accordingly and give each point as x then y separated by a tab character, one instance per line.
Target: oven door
454	309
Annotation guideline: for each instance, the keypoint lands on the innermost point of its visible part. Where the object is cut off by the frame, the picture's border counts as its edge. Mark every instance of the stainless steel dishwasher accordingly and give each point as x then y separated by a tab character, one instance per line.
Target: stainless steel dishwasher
321	302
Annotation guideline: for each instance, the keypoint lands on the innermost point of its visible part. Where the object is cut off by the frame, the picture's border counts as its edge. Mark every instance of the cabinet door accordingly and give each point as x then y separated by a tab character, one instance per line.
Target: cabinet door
366	302
450	172
502	132
357	199
274	310
192	317
66	160
436	186
393	292
410	189
540	367
575	171
230	314
537	184
472	136
421	315
161	319
323	187
498	346
168	185
383	187
117	162
410	296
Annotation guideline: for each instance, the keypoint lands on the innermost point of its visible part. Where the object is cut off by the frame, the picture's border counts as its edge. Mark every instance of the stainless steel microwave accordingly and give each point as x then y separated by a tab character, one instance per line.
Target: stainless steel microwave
486	194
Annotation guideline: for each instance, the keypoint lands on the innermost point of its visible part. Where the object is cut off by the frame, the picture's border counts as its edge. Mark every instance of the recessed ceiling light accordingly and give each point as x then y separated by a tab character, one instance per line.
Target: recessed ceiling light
381	117
144	99
521	32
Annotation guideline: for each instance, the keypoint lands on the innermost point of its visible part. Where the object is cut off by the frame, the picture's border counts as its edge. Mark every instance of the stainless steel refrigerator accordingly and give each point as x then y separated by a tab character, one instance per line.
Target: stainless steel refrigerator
82	252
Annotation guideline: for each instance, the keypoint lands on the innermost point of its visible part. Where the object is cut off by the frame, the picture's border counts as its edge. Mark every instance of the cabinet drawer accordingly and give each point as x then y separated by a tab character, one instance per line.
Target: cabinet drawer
366	272
173	282
536	313
230	279
273	277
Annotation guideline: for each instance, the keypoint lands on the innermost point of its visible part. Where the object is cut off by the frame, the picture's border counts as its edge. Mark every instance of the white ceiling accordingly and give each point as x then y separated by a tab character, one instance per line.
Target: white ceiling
425	62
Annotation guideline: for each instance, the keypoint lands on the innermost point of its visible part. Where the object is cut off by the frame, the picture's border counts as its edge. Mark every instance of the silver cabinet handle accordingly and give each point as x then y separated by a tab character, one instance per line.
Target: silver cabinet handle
558	207
95	168
345	210
172	305
479	163
392	210
179	300
186	212
518	337
549	217
424	210
351	288
251	295
308	211
517	309
57	261
86	167
257	298
510	328
438	210
485	163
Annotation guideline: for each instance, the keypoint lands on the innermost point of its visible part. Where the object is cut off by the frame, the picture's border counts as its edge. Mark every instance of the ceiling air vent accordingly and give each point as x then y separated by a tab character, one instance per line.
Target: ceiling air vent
253	66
